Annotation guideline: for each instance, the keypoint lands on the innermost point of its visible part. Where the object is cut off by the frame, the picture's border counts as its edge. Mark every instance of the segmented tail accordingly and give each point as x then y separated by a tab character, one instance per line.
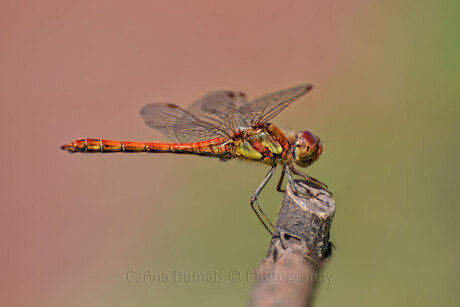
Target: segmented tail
217	147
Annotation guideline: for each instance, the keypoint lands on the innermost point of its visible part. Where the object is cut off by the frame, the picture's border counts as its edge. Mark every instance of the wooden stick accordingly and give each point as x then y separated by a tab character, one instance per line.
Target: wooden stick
287	276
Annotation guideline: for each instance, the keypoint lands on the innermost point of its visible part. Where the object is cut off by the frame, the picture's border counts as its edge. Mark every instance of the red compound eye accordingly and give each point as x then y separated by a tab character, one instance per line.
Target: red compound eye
310	138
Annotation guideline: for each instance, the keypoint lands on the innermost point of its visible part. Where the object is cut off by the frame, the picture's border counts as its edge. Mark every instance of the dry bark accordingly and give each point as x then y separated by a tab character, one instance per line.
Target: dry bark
299	248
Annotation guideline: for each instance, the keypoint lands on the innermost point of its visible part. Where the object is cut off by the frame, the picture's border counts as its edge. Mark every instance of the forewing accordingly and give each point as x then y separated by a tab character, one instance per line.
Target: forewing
217	114
262	109
179	125
221	108
218	102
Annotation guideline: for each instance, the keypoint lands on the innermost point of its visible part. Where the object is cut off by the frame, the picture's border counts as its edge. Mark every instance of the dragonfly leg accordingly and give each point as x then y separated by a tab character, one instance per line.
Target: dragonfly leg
280	182
293	186
255	206
316	182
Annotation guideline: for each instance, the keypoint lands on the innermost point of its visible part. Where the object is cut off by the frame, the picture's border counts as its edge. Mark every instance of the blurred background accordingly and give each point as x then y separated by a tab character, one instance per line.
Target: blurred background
74	227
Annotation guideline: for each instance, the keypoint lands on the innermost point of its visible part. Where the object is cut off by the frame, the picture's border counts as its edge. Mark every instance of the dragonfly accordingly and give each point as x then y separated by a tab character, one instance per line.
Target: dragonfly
224	124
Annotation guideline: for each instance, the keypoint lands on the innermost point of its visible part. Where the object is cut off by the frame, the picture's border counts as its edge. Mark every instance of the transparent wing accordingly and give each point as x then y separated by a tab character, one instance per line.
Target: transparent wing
217	114
221	108
262	109
179	125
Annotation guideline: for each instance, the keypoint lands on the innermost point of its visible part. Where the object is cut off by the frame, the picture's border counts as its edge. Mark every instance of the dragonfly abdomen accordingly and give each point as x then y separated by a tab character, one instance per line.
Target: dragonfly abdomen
215	148
218	147
99	145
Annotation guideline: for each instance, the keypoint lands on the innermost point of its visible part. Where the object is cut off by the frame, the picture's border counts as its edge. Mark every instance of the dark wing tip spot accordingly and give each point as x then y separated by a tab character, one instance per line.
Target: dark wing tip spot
172	105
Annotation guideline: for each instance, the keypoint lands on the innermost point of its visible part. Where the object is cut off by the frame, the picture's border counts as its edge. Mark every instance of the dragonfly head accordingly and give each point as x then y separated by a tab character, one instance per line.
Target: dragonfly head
307	148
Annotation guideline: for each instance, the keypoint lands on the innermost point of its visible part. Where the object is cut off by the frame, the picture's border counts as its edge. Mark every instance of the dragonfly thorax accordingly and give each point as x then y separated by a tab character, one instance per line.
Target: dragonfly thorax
307	148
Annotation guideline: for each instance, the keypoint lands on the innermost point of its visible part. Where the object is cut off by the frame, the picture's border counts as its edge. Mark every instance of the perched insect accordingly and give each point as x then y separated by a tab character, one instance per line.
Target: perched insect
223	124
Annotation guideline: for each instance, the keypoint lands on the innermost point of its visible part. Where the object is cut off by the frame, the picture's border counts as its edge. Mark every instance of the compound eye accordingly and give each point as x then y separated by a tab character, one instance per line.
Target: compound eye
309	137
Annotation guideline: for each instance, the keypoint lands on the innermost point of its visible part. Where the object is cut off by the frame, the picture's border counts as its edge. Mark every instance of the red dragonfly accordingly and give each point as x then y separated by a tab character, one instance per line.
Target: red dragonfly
224	125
